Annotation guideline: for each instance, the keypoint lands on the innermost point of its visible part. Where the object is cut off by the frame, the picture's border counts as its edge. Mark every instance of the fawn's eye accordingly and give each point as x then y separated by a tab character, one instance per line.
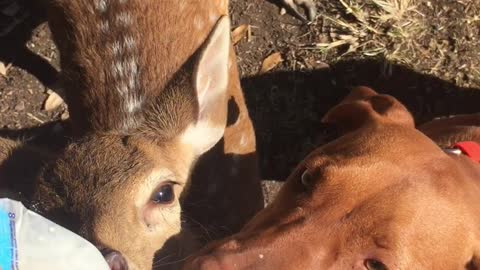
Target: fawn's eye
372	264
165	194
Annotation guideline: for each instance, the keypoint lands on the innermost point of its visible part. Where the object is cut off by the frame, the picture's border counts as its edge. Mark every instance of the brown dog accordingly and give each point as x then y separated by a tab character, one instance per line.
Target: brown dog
382	196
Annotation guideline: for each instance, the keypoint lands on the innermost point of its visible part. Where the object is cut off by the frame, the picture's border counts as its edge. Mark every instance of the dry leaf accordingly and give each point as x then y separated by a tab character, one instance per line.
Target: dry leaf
271	62
53	101
35	118
4	69
249	33
239	32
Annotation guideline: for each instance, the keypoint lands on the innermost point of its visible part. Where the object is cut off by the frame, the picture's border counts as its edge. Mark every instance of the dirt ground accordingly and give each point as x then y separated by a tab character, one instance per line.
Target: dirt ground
429	61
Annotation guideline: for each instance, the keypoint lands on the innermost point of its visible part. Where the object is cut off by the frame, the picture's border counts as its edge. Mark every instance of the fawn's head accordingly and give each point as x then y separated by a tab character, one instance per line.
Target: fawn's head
123	187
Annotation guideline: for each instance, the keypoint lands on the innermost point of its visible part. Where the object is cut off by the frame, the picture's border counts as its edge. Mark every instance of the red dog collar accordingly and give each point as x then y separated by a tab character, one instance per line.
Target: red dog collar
470	149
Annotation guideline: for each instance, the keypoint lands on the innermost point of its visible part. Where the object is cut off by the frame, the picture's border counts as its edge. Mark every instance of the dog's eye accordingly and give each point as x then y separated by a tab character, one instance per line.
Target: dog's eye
372	264
165	194
306	178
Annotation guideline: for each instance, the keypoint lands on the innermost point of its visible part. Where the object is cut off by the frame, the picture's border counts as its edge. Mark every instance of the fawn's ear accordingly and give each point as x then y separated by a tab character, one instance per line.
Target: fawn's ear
210	80
364	106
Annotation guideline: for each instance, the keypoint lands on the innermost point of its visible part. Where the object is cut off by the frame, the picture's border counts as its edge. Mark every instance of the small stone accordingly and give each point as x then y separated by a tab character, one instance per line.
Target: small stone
4	108
53	101
20	106
321	65
316	64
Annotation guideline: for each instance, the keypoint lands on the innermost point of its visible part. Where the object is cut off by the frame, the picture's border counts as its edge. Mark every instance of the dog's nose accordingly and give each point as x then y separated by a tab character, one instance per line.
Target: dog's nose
115	259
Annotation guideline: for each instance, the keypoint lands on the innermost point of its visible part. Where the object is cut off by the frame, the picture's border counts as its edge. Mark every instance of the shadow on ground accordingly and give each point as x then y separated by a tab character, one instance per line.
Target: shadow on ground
287	107
52	135
14	45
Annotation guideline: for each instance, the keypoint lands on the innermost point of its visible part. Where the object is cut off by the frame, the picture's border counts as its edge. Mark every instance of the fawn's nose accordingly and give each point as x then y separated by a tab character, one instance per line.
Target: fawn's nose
115	259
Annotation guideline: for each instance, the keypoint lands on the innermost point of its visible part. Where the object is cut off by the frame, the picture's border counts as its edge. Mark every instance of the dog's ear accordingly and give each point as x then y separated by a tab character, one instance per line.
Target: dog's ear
363	106
445	131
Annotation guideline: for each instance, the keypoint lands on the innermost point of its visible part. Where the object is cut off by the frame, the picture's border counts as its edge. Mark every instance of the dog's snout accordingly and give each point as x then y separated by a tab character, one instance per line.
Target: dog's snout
227	255
207	263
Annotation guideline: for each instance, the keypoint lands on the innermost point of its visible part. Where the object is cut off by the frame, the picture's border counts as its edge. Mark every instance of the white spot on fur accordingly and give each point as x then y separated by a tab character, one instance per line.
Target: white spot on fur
132	67
129	123
134	104
122	88
104	26
132	82
129	42
124	19
127	71
230	63
127	68
117	48
118	69
198	22
124	68
101	5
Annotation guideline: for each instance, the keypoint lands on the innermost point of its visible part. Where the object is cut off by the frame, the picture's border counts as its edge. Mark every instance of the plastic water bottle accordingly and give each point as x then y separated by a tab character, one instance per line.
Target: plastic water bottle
29	241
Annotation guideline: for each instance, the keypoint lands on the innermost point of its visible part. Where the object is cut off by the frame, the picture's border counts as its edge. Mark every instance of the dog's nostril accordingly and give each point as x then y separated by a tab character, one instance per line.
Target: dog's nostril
471	265
114	259
382	103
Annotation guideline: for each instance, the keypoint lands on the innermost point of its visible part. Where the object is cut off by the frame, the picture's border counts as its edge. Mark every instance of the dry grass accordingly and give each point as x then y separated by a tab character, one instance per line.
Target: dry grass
387	28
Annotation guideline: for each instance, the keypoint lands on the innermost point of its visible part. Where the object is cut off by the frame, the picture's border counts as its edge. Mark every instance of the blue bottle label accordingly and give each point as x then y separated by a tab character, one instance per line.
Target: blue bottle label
8	241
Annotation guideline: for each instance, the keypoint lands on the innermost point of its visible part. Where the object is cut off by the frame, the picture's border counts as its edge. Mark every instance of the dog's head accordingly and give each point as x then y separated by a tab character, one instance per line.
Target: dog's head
382	196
